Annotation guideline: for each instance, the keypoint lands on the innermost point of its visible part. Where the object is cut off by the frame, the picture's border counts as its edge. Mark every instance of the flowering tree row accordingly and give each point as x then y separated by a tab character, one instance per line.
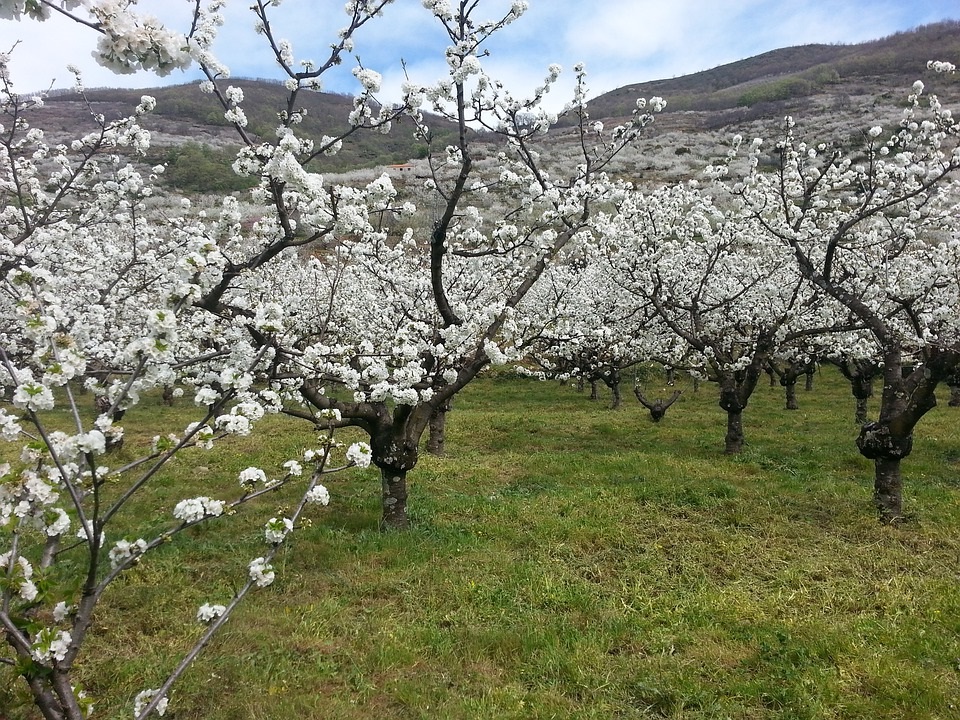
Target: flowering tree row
327	304
324	306
850	255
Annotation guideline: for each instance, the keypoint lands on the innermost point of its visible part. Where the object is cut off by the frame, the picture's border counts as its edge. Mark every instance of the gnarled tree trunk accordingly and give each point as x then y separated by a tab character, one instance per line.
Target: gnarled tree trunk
886	448
906	398
791	392
859	373
789	373
736	387
733	402
394	458
612	380
617	395
733	441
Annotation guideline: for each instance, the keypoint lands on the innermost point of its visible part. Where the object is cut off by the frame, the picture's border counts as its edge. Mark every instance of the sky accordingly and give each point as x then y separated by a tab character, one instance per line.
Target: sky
621	42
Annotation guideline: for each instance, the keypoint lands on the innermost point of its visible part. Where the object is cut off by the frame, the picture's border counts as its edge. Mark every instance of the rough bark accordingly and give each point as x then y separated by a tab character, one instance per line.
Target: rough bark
736	387
617	395
394	497
733	401
861	414
594	392
437	438
906	398
888	489
810	372
733	442
886	449
394	457
791	392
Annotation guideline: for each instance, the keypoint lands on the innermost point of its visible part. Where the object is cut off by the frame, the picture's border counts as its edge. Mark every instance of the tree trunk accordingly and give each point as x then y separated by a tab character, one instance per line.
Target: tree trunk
888	489
862	387
808	386
612	380
735	391
736	387
886	446
395	454
733	442
394	484
860	374
617	396
594	394
437	438
906	397
436	441
791	391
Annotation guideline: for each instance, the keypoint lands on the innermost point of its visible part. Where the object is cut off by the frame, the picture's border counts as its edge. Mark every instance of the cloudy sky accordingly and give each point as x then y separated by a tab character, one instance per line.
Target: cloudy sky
620	41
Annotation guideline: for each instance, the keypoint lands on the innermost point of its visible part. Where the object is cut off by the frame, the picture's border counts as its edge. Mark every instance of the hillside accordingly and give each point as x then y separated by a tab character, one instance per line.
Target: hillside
837	89
765	81
184	114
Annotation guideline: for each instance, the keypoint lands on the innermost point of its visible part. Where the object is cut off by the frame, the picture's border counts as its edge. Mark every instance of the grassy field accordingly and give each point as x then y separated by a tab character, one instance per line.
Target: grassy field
566	561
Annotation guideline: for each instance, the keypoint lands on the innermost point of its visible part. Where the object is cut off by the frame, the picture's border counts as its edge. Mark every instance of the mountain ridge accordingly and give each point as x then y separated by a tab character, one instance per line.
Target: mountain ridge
794	72
847	82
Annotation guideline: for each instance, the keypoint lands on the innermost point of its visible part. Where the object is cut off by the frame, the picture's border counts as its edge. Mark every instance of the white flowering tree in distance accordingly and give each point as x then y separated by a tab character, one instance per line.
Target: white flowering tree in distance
597	332
727	297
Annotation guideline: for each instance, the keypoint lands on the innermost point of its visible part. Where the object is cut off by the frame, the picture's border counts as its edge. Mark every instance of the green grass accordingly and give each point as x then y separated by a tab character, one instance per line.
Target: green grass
568	561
